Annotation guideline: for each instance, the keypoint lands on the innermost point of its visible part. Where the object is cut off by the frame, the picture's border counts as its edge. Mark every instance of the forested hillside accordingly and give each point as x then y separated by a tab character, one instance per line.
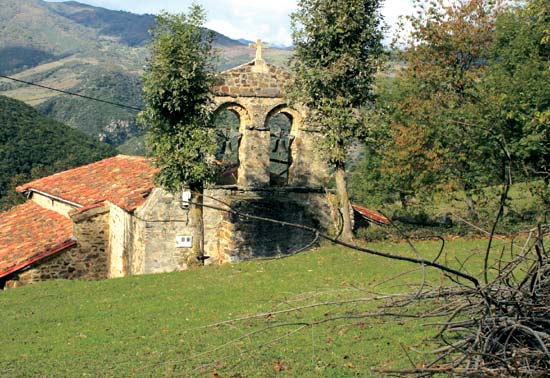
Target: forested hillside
33	146
107	123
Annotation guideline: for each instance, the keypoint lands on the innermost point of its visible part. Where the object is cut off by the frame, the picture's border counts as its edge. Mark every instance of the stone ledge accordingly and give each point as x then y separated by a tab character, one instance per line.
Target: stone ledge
246	95
285	189
82	215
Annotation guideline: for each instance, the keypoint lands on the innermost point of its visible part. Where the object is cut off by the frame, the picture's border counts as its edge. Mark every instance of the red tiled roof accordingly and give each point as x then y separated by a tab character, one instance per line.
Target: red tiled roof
29	233
123	180
370	215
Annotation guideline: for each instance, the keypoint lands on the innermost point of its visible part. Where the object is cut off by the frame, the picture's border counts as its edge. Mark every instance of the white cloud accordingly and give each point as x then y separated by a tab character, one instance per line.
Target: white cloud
249	19
392	10
228	28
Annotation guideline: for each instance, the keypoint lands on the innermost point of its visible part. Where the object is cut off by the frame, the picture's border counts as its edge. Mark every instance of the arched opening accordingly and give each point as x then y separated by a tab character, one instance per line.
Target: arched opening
280	147
227	124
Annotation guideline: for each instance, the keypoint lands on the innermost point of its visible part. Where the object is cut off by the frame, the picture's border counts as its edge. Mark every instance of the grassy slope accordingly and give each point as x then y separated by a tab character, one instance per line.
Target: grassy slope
148	325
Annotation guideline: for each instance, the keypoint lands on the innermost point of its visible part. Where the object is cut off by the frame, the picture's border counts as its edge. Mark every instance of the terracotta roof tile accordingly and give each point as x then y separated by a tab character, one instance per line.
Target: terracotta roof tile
370	215
29	233
123	180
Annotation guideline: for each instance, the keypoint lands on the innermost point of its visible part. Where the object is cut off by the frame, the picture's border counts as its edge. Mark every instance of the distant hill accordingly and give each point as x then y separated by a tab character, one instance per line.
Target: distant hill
245	41
41	31
35	31
33	25
131	29
93	51
108	123
32	146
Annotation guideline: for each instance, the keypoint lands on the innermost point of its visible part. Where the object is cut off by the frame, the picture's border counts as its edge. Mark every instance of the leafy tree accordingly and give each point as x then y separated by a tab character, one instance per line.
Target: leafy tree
337	53
177	94
517	89
441	139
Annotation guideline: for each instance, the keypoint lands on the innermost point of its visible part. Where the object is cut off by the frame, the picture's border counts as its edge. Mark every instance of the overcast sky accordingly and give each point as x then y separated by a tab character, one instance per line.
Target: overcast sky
248	19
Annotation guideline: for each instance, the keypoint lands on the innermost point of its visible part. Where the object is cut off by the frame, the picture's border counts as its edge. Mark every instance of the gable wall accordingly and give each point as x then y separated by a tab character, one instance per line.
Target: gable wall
308	169
256	92
121	230
158	223
250	80
51	204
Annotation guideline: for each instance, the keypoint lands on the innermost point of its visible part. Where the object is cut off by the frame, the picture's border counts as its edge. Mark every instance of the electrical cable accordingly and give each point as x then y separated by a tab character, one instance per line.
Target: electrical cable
72	93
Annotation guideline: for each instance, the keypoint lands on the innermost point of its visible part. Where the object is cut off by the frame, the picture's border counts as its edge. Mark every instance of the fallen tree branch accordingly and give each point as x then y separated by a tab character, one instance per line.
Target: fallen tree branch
418	261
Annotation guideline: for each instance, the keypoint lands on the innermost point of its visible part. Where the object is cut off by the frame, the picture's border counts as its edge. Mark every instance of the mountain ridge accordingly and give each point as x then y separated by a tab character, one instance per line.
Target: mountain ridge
73	47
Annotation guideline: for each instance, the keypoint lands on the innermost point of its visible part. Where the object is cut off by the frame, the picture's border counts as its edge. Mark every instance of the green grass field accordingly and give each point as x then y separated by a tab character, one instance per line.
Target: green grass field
153	326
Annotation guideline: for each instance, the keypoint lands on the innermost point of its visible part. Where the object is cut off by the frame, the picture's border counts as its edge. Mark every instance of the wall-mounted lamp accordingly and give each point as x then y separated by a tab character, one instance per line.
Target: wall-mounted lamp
185	199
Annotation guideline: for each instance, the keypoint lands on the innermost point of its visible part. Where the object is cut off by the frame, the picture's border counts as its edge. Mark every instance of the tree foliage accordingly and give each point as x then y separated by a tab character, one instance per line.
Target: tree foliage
517	89
468	105
449	46
178	98
337	53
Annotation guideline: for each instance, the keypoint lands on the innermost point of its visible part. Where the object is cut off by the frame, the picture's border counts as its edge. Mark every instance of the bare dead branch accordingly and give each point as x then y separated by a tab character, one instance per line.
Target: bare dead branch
418	261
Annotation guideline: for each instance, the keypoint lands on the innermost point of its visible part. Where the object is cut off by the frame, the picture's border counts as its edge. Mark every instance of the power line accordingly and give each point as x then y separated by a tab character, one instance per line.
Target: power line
72	94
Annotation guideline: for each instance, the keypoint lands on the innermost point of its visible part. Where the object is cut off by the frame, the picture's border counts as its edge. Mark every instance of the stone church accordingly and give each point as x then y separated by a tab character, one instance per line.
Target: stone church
107	219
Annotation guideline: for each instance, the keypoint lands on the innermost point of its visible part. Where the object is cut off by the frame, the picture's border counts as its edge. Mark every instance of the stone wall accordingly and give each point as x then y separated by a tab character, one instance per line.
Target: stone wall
51	204
255	92
215	243
229	238
120	241
307	168
91	230
88	260
64	265
136	256
160	220
254	79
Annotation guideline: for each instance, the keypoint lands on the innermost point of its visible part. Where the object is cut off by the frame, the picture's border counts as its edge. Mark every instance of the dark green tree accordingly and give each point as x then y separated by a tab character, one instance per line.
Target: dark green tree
338	51
517	90
178	100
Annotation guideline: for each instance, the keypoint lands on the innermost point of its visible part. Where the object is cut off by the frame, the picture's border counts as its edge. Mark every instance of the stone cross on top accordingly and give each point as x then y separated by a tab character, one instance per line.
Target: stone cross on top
258	46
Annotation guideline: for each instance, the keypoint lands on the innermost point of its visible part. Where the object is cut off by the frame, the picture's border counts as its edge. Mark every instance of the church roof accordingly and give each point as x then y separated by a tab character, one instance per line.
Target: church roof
126	181
29	233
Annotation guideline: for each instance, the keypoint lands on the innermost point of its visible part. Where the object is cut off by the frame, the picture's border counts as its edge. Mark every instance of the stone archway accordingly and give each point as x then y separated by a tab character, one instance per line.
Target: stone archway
255	93
257	89
230	122
283	124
